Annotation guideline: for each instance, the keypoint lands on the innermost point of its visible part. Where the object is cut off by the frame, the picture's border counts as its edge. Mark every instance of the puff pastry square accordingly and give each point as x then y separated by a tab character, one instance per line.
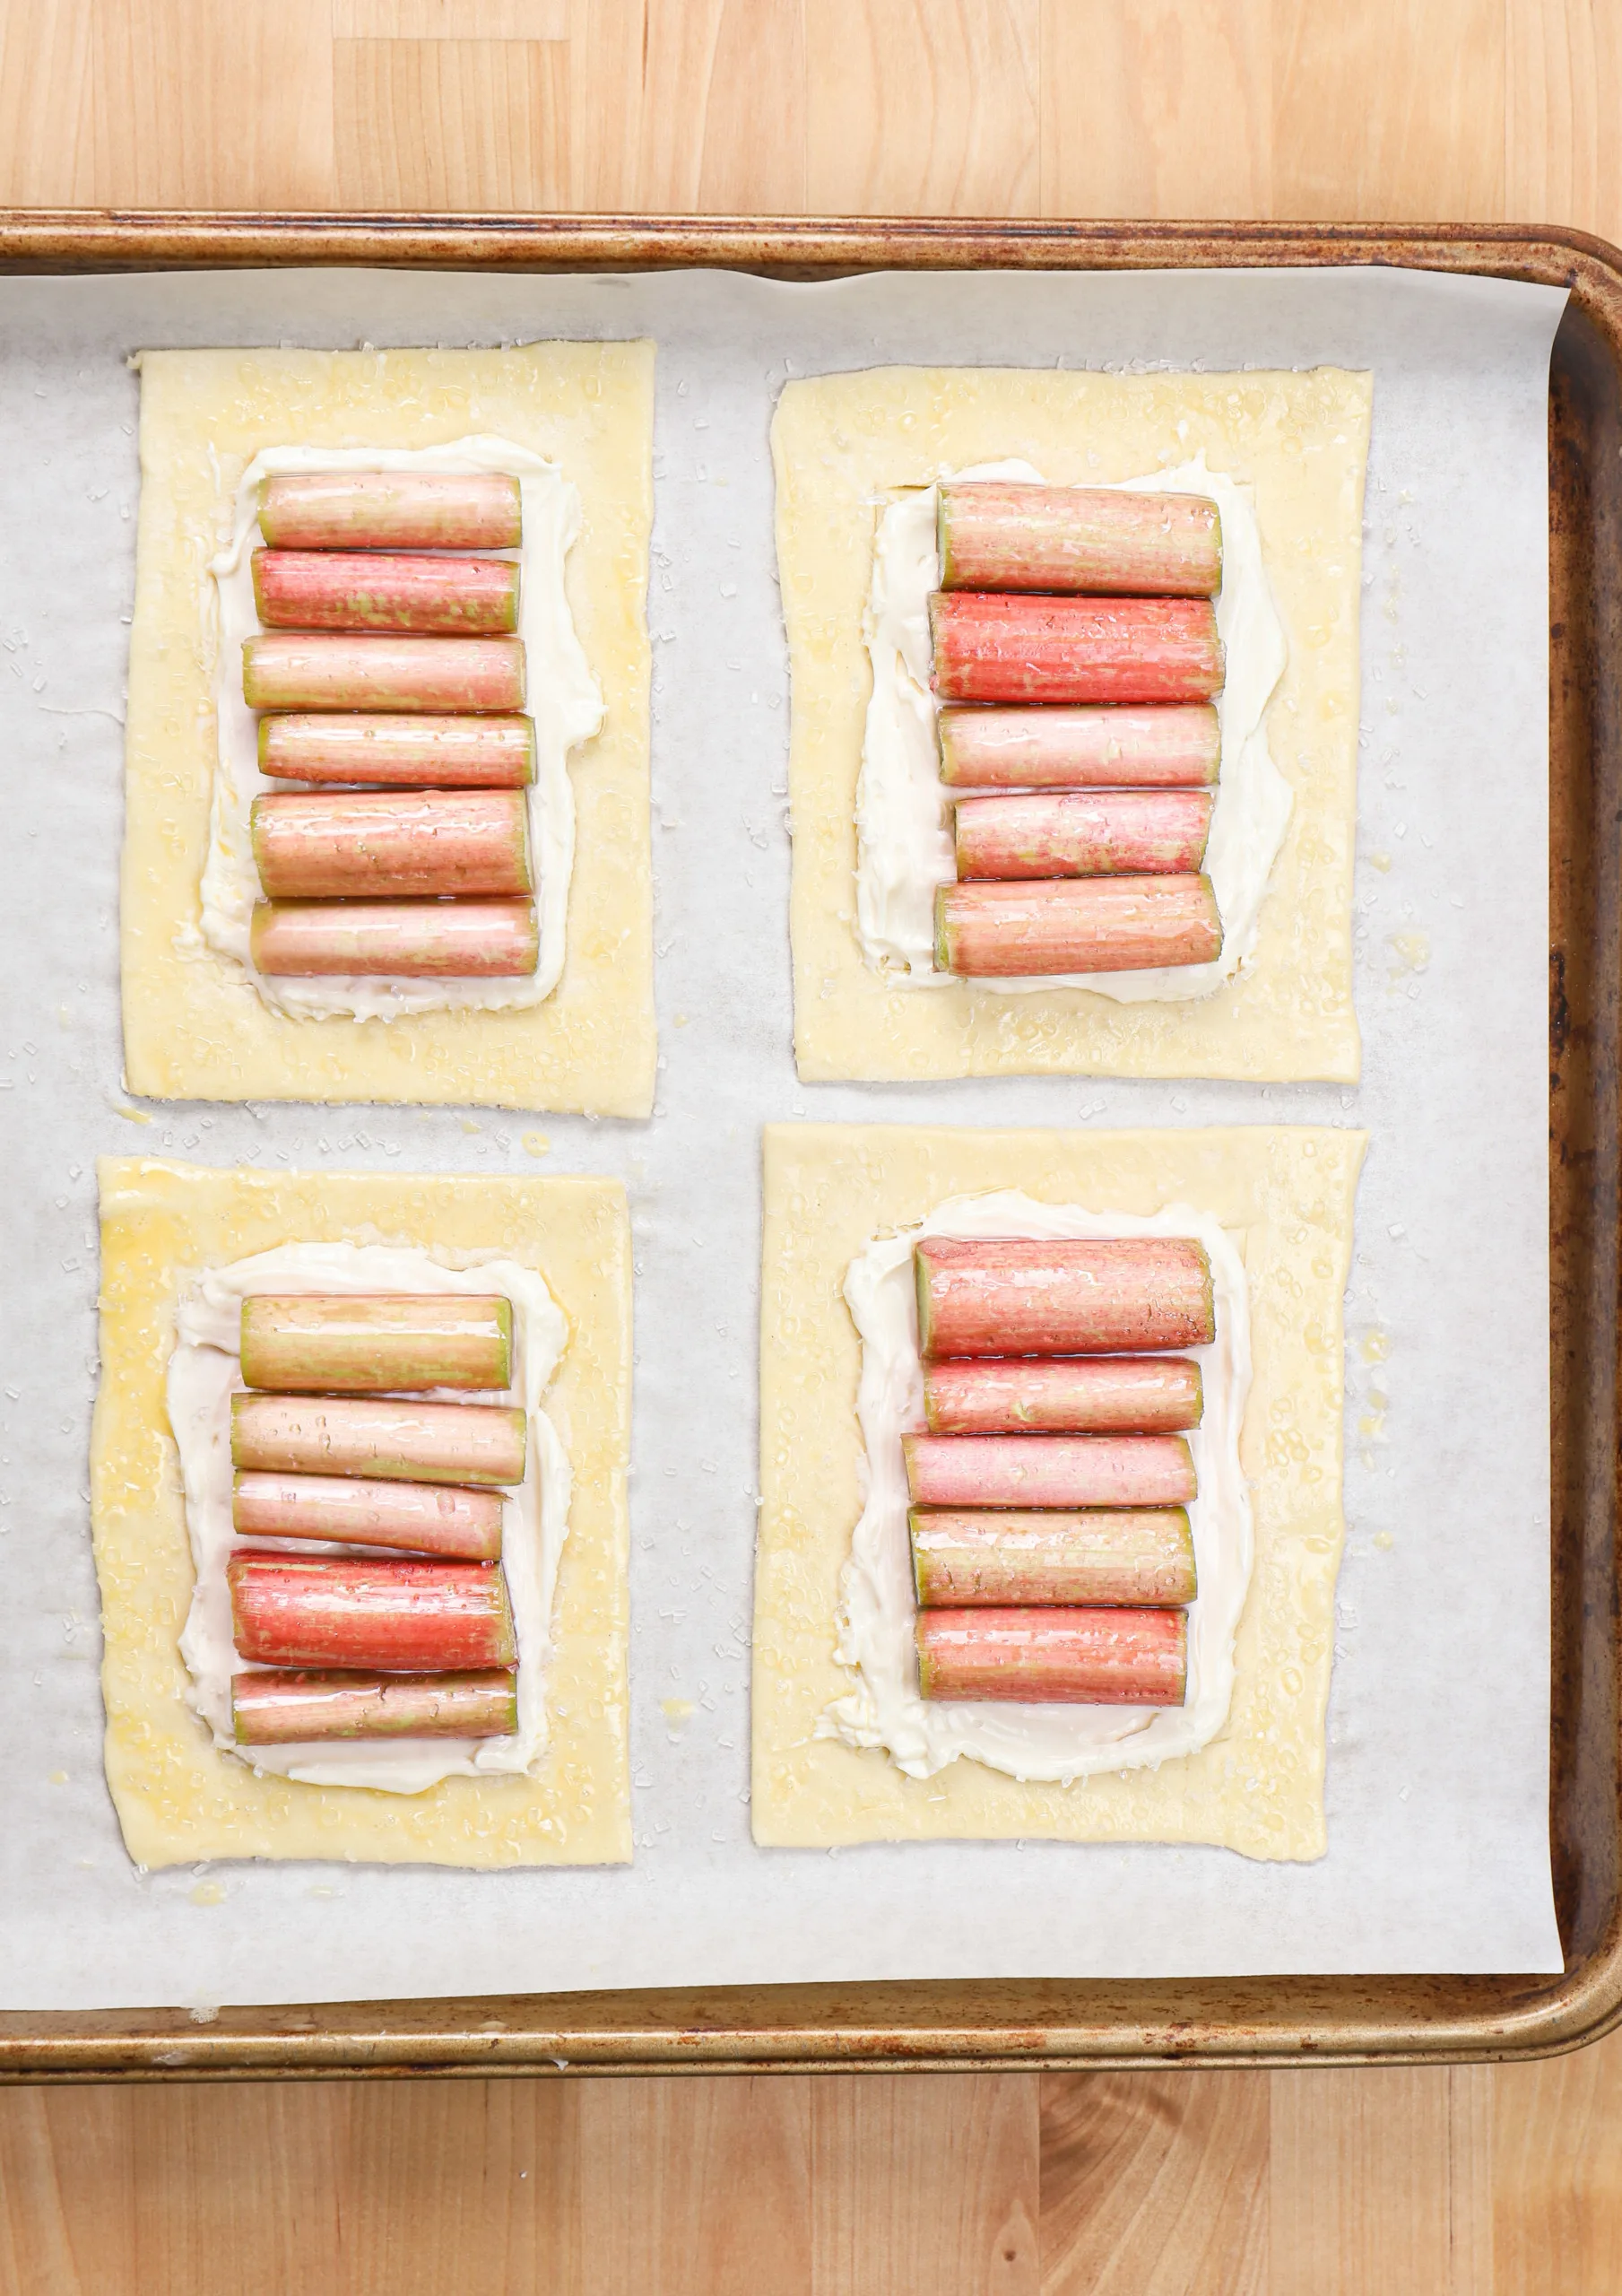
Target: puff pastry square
841	443
194	1027
177	1796
1286	1195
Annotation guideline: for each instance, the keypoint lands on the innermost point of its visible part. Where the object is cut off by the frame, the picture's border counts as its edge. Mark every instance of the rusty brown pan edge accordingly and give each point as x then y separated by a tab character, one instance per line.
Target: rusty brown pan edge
52	239
1339	2021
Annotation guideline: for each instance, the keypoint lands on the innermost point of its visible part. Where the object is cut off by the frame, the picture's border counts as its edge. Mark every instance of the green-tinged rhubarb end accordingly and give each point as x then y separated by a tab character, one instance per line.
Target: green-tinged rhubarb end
504	1326
1210	1314
259	926
944	540
926	1321
926	1670
943	953
920	1564
1199	1398
506	1650
529	750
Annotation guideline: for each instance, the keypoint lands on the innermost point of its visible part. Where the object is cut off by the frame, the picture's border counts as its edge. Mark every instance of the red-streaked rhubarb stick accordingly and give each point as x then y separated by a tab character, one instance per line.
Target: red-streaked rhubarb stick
391	509
395	842
1049	1469
422	1518
1014	1295
989	647
439	597
318	671
280	1709
1105	1657
1082	833
1138	1555
425	940
399	1442
997	534
1076	925
405	753
1077	1395
292	1610
317	1343
1176	748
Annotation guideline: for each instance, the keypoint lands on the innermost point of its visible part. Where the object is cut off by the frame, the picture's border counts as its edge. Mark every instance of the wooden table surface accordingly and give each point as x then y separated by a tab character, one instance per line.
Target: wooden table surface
1474	2182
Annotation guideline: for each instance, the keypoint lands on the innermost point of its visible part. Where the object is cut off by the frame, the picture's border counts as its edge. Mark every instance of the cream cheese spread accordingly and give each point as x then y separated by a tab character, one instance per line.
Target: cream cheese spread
204	1373
563	700
877	1606
904	814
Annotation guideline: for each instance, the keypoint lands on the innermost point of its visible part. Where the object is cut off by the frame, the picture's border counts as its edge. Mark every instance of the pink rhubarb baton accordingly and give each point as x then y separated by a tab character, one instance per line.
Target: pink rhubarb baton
397	1442
1077	1395
318	671
1082	833
424	940
992	648
996	534
317	1343
1080	749
329	589
1011	1295
1073	1658
422	1518
391	509
1077	925
1049	1469
405	753
1141	1555
290	1610
280	1709
385	842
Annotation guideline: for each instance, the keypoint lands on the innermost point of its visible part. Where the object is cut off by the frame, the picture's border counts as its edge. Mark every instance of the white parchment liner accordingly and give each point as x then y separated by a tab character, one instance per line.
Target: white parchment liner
1438	1719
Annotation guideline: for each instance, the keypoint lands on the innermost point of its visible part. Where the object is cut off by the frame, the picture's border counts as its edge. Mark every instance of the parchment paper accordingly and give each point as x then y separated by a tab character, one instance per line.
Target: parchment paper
1437	1775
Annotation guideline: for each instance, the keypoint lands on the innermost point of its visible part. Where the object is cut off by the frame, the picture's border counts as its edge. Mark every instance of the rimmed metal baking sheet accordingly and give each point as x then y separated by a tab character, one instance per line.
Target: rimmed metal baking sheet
1005	2023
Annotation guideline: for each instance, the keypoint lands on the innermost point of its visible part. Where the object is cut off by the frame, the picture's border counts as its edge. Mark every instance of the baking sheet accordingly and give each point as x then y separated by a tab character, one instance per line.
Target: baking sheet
1438	1721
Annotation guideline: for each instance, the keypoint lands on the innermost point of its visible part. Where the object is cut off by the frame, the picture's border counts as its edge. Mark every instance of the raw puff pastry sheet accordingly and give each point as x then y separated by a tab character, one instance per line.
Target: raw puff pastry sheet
841	443
1286	1195
194	1027
178	1797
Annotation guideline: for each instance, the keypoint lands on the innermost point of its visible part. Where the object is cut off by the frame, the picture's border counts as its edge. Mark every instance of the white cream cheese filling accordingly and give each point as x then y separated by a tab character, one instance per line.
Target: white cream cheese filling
878	1605
904	810
563	700
204	1374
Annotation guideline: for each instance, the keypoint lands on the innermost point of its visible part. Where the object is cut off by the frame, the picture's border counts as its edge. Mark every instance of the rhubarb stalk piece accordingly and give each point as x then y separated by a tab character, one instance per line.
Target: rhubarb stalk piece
319	670
990	646
1071	1657
397	1442
280	1709
383	842
391	509
317	1343
1080	749
293	1610
996	534
405	751
1077	1395
441	597
472	940
1049	1469
422	1518
967	1559
1076	925
1012	1295
1082	833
